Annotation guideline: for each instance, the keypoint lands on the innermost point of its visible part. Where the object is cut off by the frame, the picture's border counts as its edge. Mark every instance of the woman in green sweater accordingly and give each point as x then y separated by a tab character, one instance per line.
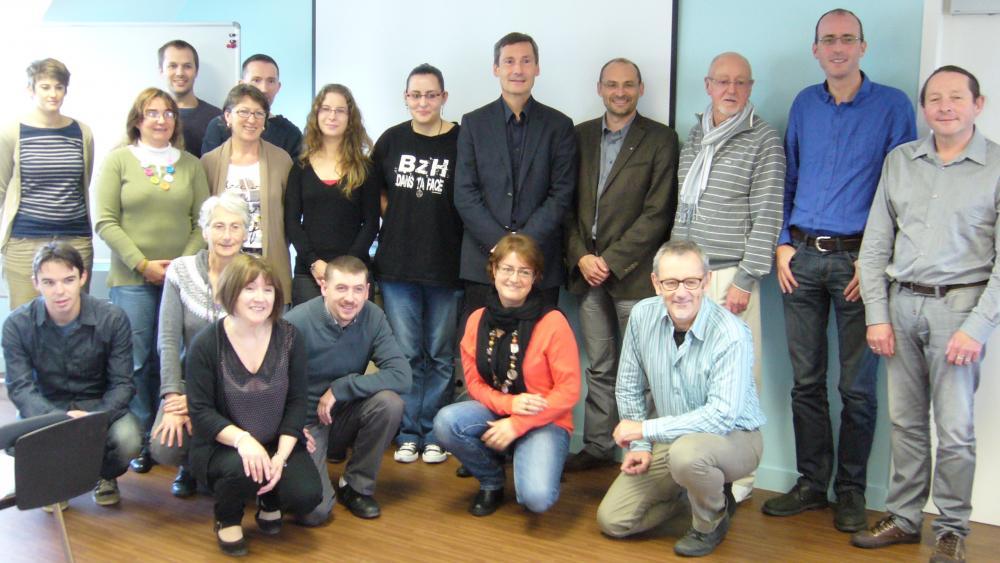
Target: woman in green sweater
148	196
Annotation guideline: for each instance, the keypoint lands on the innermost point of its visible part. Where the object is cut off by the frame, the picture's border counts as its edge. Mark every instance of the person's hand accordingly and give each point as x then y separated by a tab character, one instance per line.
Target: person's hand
310	441
736	300
325	406
528	404
277	464
256	462
500	434
155	271
627	432
636	463
318	271
782	261
963	349
594	269
76	413
175	403
882	339
172	428
853	290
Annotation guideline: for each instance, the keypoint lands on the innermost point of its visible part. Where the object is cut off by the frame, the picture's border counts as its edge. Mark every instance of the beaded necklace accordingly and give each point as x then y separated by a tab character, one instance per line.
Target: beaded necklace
159	176
512	374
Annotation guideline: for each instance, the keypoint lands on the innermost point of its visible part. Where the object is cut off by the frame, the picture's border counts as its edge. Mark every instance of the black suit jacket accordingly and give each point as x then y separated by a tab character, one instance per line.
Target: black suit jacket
484	189
636	208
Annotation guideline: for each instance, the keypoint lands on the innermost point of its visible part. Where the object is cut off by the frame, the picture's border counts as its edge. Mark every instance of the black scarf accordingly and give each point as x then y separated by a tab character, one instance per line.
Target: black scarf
522	319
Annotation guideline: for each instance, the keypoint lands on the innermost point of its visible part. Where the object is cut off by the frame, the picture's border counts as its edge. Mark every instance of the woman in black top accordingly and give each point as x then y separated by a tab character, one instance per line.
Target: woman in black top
247	397
418	254
331	207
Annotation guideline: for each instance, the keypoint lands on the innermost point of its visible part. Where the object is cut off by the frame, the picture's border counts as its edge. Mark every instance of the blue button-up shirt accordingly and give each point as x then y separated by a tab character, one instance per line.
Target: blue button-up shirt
835	153
704	385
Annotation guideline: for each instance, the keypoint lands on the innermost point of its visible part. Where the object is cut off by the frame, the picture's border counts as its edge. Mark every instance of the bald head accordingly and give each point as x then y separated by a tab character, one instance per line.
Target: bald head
731	58
729	83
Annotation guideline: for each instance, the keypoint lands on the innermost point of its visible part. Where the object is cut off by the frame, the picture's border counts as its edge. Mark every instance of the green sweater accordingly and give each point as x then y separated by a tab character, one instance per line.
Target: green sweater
138	220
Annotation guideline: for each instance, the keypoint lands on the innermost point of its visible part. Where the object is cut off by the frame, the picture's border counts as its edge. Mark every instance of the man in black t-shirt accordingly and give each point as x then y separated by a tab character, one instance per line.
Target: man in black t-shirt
178	63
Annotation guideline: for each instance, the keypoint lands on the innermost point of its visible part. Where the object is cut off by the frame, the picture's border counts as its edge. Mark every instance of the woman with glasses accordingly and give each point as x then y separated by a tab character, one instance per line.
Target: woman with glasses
149	193
256	170
46	159
331	204
418	254
522	369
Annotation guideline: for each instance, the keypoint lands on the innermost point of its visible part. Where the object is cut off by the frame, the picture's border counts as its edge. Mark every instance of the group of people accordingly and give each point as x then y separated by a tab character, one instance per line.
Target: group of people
479	226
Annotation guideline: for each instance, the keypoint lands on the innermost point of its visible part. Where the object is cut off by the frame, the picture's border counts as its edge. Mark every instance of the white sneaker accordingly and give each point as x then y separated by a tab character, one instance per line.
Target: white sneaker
407	453
434	454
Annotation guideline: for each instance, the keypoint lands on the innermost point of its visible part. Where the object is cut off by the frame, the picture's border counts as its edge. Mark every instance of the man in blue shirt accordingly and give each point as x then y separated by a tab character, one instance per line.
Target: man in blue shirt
695	358
838	135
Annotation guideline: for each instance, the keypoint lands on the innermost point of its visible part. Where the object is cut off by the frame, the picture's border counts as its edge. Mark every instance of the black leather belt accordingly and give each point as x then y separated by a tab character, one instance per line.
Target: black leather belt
825	243
937	290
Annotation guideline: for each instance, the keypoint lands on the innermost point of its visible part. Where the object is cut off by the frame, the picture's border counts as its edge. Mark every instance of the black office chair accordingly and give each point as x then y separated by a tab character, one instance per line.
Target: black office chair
56	458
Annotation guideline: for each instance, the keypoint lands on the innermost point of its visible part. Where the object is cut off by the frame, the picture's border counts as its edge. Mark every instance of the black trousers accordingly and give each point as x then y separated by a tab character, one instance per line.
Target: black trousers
298	491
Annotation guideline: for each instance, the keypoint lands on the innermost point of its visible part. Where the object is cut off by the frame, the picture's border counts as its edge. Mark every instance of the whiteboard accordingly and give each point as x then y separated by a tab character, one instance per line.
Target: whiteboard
574	40
110	63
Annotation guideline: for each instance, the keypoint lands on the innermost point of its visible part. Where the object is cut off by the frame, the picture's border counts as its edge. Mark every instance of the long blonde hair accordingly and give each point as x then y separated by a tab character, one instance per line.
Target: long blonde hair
353	148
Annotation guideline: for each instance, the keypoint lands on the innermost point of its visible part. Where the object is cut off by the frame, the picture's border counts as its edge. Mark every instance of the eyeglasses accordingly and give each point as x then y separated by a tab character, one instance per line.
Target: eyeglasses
246	113
689	284
156	114
430	96
725	84
337	111
830	40
523	273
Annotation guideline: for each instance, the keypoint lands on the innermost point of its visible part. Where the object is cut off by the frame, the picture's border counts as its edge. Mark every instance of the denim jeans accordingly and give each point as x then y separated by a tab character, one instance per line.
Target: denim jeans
822	278
423	317
141	304
538	454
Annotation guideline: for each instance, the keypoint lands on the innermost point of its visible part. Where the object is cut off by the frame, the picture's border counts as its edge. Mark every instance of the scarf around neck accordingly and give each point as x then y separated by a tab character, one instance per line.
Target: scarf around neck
494	369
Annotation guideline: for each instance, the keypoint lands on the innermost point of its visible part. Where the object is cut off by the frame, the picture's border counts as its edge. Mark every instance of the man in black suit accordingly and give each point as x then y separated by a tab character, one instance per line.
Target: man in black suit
516	172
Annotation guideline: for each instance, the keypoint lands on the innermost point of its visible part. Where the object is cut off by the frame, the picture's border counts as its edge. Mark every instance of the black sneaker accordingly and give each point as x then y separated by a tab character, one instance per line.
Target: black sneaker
697	544
849	514
795	501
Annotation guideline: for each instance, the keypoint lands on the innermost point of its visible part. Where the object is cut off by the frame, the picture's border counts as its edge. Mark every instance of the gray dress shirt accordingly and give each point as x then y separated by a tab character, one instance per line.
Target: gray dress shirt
611	145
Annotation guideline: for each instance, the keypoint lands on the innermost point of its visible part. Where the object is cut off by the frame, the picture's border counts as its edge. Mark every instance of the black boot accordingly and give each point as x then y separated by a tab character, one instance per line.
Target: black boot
184	484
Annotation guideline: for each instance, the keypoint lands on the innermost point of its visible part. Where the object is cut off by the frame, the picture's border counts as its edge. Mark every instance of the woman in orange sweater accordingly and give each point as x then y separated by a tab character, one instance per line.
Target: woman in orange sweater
522	369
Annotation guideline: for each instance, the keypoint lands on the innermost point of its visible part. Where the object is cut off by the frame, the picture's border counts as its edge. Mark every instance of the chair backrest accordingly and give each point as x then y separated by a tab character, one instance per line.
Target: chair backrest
60	461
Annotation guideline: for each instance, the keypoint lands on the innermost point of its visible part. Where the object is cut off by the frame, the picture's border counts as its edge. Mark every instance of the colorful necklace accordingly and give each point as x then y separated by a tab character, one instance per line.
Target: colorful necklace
160	176
512	374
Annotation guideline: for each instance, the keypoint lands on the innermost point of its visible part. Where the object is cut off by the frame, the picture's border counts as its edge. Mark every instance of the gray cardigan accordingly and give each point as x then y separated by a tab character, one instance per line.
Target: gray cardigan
186	308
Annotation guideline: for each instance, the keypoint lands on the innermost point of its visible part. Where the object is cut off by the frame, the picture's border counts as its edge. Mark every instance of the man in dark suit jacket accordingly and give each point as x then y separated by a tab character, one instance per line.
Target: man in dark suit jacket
516	172
626	198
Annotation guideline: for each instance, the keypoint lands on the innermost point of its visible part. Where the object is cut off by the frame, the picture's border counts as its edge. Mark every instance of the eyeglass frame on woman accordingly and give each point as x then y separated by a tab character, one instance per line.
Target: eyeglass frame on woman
245	113
508	271
431	96
154	114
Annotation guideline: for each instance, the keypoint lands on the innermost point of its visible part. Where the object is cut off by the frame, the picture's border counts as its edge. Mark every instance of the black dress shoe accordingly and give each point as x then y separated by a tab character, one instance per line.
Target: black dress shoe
236	548
144	462
362	506
486	502
584	460
462	472
184	484
268	527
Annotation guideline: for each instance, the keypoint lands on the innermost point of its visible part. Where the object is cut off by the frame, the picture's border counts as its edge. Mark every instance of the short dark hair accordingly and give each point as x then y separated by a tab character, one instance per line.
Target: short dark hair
48	68
244	269
177	44
260	58
240	91
57	251
840	12
525	247
347	264
510	39
973	81
622	60
425	68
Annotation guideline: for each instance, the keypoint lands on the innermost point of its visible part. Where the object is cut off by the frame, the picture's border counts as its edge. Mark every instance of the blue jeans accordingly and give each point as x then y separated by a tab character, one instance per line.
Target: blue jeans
822	278
538	455
424	319
141	304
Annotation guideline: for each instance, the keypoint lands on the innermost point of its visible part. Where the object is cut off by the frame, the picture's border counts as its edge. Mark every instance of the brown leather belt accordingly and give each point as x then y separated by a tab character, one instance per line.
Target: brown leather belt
825	243
937	290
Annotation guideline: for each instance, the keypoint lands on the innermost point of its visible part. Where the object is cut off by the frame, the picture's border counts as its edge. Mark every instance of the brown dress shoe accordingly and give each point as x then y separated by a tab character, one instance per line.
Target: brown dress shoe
885	532
950	548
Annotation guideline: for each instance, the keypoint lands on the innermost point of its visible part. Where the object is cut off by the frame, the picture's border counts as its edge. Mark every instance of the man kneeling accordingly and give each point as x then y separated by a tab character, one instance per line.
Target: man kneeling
69	352
695	358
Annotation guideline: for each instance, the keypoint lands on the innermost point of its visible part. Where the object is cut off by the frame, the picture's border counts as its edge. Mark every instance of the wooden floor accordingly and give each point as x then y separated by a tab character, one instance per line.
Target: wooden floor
424	519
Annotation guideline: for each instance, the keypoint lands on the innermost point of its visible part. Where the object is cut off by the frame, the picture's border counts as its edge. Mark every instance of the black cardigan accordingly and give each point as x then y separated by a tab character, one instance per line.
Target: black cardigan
207	402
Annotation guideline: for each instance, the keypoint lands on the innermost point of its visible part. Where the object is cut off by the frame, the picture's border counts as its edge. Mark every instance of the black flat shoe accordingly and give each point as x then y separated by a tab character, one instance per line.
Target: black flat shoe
268	527
144	462
236	548
486	502
362	506
184	484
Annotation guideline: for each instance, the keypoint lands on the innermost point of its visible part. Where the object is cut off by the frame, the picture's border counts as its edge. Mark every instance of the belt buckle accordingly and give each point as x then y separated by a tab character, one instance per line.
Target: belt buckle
818	240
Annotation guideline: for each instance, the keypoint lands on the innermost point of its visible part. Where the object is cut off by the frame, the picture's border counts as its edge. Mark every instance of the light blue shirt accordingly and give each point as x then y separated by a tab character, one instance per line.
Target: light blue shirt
704	386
